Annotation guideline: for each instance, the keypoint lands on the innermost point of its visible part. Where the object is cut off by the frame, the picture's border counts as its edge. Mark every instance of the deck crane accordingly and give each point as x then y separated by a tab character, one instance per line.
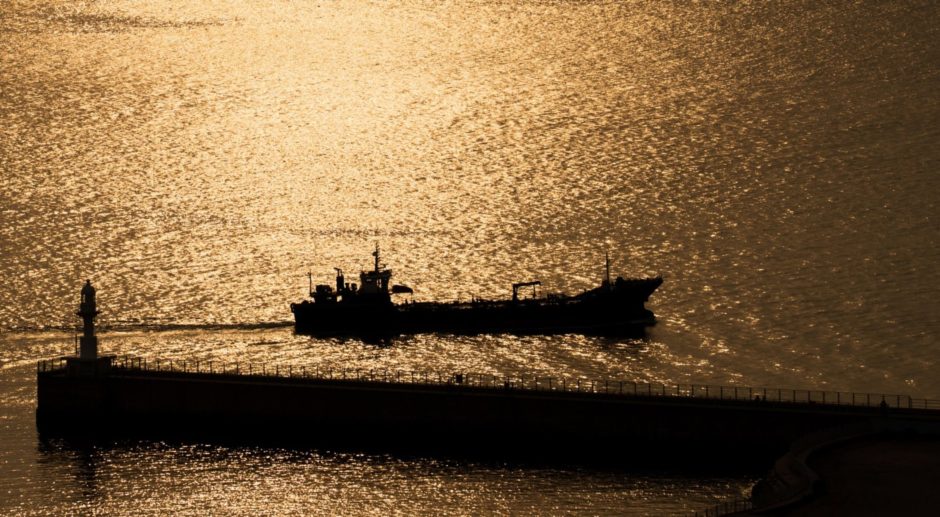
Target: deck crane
518	285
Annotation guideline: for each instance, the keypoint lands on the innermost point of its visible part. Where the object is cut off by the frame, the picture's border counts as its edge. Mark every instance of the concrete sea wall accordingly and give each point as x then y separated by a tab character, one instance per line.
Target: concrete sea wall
455	416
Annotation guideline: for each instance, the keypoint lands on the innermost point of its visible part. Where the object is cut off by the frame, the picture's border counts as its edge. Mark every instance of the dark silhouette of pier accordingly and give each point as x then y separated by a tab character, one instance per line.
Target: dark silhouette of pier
540	417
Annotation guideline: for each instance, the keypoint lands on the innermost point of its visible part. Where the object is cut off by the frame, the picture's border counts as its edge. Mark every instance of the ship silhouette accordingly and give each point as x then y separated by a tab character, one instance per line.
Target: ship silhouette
614	307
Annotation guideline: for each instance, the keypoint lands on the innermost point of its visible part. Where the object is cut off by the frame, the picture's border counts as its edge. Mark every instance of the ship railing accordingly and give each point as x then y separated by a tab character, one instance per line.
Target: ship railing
531	383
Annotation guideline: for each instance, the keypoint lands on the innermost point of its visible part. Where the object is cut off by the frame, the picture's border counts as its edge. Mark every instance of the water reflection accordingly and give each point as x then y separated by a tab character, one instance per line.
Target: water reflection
82	459
191	478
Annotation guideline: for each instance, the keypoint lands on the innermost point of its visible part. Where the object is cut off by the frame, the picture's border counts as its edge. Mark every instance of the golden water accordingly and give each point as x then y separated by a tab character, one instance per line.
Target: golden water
777	163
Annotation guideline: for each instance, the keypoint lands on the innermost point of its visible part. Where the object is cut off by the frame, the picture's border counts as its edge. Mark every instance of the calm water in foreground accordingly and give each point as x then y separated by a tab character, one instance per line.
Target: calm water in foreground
775	161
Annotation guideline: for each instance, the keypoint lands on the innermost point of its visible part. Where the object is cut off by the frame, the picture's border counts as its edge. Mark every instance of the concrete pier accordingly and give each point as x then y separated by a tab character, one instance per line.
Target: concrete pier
540	417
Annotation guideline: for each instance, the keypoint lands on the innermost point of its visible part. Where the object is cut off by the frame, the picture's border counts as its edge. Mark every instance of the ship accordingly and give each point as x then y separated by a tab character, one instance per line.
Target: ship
613	307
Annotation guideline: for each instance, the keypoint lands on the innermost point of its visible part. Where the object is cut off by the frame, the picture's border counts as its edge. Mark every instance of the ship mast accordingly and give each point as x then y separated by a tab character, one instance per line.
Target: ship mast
607	262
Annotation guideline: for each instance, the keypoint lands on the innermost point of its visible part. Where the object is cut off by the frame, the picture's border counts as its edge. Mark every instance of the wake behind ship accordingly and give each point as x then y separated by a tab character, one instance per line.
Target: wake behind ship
367	308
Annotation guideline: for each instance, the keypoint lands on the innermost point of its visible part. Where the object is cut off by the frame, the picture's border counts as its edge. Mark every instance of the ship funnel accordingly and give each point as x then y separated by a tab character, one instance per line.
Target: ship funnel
339	280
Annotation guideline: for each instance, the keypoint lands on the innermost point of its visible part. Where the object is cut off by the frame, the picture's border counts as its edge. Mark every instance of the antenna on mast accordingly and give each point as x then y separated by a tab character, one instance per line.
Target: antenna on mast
607	263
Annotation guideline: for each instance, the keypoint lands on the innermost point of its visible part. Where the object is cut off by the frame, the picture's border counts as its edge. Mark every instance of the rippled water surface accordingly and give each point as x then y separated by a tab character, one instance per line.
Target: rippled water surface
775	161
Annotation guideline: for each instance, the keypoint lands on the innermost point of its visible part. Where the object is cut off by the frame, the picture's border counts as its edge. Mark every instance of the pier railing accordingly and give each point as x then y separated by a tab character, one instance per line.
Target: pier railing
51	365
518	382
725	508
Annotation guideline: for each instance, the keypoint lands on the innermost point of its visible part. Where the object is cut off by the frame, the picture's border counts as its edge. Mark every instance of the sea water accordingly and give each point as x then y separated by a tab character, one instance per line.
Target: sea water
775	162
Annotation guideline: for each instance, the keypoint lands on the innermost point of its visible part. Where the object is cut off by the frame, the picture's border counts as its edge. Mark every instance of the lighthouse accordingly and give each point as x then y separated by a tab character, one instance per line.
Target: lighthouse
88	310
88	361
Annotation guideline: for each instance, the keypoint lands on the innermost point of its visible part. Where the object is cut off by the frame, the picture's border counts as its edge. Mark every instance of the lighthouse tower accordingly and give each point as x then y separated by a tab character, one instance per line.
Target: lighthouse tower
88	310
88	362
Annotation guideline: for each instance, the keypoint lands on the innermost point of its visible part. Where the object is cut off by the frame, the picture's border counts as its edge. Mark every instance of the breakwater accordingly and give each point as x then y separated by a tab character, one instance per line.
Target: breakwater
535	416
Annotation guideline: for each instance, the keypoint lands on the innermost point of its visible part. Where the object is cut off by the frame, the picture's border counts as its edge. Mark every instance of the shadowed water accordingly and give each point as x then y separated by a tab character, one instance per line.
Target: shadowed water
775	162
